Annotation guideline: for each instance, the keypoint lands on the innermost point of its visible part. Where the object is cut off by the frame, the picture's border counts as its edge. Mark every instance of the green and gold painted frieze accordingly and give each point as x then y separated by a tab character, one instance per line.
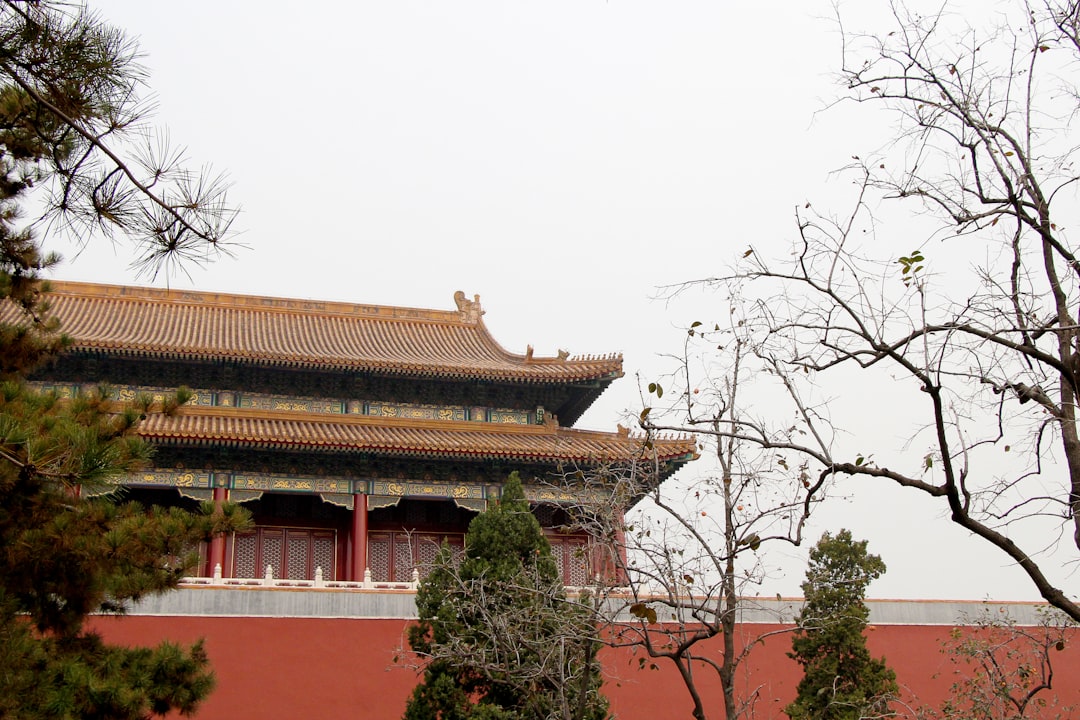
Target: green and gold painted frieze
413	489
286	483
325	406
171	478
339	487
509	417
558	495
288	404
413	411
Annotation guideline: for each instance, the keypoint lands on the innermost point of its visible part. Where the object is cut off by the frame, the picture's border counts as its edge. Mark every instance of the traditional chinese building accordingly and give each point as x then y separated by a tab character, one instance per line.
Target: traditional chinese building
359	436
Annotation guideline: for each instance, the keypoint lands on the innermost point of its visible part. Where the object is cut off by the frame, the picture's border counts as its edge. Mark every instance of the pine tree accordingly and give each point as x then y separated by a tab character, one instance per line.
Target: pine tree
840	681
69	104
500	638
74	136
63	556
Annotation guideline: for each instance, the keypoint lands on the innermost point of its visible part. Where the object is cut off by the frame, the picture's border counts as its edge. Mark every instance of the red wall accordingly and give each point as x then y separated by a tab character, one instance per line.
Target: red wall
341	668
287	667
913	652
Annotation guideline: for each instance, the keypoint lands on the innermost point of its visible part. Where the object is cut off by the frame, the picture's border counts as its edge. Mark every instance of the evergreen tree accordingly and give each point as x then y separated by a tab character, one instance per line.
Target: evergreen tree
63	556
69	103
501	639
840	681
73	134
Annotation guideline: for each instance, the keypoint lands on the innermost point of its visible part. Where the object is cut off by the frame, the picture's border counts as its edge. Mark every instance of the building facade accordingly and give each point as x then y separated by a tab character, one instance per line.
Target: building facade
361	437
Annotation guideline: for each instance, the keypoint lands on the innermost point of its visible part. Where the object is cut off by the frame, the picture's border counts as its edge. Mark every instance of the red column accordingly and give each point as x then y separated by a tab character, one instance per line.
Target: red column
359	538
217	542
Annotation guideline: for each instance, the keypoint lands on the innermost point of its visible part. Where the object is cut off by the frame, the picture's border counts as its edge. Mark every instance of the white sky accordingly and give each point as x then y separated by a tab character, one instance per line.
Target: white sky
561	159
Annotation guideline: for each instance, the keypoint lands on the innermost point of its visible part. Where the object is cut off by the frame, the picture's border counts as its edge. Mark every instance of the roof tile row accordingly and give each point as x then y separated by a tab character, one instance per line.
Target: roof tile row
539	443
154	322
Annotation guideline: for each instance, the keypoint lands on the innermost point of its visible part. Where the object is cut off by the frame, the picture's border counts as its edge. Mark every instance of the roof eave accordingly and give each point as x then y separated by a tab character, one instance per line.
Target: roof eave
388	369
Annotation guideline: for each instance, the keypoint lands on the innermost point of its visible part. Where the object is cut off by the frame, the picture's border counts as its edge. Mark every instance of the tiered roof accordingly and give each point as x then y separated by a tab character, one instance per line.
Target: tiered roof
122	321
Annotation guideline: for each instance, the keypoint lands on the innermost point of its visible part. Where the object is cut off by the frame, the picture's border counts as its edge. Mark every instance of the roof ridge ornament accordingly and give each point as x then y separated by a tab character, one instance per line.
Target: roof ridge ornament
470	309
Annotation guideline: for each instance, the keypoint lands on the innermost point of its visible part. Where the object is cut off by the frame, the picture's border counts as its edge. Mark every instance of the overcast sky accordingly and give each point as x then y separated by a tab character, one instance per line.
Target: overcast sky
562	159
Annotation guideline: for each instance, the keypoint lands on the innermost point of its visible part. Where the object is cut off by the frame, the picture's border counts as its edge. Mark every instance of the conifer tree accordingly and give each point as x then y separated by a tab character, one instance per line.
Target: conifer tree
500	638
69	107
74	138
840	681
64	556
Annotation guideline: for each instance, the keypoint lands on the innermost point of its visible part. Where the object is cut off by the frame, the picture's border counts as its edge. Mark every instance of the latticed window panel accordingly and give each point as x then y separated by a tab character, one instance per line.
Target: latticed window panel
272	542
379	557
428	546
560	559
457	546
292	553
573	556
323	555
297	565
403	559
244	562
427	549
577	564
392	556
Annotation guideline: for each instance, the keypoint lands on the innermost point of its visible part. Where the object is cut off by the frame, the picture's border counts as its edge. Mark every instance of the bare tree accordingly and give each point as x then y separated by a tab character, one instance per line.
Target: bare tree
979	328
692	550
1006	670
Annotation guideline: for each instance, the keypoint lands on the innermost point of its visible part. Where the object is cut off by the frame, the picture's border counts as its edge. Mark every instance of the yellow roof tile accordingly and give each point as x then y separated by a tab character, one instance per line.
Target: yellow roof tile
385	436
279	331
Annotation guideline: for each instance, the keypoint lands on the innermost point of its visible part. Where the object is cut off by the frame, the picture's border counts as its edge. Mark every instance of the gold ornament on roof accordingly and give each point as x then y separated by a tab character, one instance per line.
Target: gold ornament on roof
470	309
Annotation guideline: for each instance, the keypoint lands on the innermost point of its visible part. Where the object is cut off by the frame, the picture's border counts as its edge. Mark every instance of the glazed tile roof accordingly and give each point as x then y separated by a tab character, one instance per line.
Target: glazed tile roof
179	324
383	436
171	325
